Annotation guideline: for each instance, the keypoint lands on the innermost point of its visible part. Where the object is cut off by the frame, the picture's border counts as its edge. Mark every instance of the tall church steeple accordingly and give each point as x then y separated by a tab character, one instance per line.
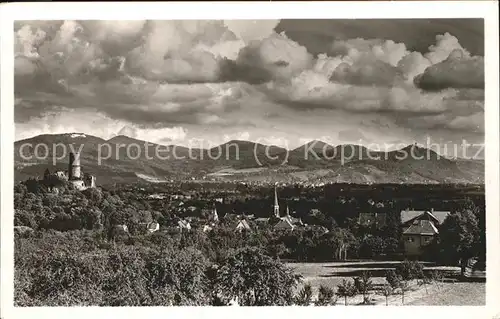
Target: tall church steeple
276	203
215	215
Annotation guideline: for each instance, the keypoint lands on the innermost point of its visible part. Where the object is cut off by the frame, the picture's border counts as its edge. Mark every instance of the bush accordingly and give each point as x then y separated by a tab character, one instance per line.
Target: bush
326	297
409	270
304	297
346	289
363	285
393	278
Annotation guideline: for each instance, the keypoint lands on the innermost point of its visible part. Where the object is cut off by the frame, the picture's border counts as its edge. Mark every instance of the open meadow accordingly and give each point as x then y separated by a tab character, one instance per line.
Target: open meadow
449	292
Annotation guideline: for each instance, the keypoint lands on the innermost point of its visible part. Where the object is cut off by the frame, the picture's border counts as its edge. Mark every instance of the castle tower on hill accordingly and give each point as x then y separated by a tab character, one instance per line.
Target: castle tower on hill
276	204
76	177
74	169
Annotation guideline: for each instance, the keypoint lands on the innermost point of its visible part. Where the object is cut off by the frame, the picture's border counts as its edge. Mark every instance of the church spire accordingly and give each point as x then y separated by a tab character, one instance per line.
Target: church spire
276	203
215	216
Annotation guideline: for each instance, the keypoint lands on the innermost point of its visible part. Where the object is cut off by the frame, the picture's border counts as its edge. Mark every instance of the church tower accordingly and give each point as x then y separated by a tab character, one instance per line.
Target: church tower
215	216
276	204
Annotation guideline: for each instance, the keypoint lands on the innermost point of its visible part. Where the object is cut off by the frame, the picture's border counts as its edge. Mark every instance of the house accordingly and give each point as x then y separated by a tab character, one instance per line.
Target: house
183	224
214	217
120	228
372	218
241	225
284	224
420	228
262	222
317	228
62	175
206	228
288	222
152	227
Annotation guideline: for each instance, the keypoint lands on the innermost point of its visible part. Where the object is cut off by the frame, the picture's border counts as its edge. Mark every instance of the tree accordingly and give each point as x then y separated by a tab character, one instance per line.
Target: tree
404	286
46	174
459	235
410	269
387	291
346	289
393	278
371	246
437	277
255	279
424	280
304	296
363	285
326	296
343	240
391	246
277	249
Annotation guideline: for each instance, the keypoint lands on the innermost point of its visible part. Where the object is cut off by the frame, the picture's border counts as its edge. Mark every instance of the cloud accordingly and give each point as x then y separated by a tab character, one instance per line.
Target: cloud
145	102
249	30
387	51
114	37
97	124
273	58
472	123
162	135
167	51
368	61
351	135
245	136
180	51
313	90
366	72
129	131
374	76
467	122
457	71
412	65
240	76
445	45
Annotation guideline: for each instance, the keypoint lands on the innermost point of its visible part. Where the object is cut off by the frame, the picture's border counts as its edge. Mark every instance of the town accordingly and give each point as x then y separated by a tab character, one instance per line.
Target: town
295	225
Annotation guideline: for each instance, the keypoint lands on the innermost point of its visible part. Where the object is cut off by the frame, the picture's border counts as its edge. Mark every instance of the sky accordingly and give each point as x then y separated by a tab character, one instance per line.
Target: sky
275	82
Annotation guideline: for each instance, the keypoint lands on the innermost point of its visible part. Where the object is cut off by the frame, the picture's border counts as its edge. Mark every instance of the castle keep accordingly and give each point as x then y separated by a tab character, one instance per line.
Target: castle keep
74	175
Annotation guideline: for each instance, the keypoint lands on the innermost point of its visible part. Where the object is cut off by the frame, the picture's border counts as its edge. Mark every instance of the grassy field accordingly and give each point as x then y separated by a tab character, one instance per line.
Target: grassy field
448	293
456	294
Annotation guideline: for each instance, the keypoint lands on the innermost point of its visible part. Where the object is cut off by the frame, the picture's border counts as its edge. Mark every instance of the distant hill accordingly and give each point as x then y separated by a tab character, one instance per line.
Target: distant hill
125	159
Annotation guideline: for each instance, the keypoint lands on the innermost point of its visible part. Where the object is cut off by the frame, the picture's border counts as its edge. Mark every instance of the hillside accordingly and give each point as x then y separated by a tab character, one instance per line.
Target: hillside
124	159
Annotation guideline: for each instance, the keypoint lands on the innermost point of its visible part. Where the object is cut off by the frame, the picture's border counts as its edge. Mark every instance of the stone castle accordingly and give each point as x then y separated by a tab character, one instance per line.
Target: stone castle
74	175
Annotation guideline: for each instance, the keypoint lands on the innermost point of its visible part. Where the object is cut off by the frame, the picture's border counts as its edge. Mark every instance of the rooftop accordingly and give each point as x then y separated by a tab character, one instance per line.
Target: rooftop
421	227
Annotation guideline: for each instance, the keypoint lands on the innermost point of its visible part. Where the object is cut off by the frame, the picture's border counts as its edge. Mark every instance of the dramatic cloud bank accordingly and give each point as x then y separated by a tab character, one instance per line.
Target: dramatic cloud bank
176	80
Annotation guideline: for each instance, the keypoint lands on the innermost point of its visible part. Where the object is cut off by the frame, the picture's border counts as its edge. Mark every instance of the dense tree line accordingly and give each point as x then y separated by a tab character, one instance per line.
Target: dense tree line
462	235
71	255
79	268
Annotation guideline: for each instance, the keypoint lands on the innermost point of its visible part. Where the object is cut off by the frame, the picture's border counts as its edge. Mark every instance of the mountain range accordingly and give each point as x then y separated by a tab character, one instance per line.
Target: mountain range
314	162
